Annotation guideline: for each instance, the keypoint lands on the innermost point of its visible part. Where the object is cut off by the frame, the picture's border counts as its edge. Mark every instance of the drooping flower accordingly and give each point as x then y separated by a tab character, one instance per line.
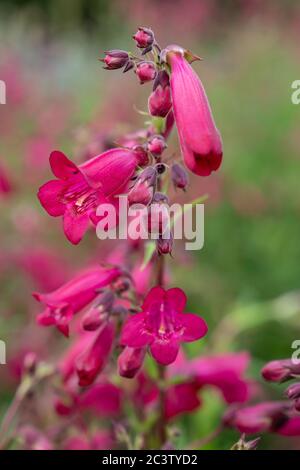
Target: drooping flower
181	398
225	372
162	325
79	190
73	296
200	140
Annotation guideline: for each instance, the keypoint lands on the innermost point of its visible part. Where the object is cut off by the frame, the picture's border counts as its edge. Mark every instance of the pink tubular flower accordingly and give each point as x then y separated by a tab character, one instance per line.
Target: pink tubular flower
79	190
73	296
103	398
224	372
92	361
162	325
200	140
265	417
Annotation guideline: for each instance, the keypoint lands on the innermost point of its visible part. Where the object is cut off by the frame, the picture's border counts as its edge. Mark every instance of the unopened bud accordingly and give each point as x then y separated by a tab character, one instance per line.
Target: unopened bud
144	37
280	371
160	102
145	71
157	145
115	59
142	155
179	176
165	245
143	190
130	361
293	391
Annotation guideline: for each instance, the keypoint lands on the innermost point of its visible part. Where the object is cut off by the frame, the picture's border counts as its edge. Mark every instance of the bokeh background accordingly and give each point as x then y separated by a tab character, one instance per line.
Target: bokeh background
246	280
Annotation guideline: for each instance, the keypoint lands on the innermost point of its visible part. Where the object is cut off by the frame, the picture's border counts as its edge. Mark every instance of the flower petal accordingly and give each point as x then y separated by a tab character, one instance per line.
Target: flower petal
177	298
75	225
61	166
48	195
164	352
194	326
156	294
134	334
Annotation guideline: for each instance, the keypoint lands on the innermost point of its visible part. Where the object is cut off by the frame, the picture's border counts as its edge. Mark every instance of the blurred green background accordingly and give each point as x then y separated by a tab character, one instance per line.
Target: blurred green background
246	279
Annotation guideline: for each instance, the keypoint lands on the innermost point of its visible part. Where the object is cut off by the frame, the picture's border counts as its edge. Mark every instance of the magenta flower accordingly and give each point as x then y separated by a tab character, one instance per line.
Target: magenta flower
181	398
73	296
225	372
162	325
78	191
92	361
265	417
200	140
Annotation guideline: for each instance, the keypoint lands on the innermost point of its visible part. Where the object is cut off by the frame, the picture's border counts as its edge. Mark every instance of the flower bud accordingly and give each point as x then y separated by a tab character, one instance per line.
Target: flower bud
293	391
164	245
130	361
280	371
179	176
143	190
145	71
115	59
158	219
93	319
157	145
160	102
144	37
142	155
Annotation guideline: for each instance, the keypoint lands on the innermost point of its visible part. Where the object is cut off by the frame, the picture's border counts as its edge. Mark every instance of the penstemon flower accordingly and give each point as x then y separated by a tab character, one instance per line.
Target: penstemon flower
63	303
162	325
200	140
79	190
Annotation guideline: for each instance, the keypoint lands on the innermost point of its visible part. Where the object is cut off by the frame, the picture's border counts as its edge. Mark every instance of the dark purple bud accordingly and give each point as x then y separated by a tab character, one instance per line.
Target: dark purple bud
130	361
160	168
144	37
157	145
128	66
115	59
142	155
160	198
162	80
165	245
146	71
119	310
179	176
